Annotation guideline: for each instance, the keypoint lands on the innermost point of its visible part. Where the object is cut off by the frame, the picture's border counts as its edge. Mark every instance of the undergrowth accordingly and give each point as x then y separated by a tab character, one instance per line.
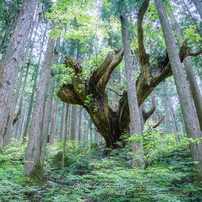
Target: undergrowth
89	176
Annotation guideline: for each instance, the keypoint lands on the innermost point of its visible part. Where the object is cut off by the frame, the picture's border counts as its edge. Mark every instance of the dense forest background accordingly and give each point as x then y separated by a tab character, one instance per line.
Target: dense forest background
100	100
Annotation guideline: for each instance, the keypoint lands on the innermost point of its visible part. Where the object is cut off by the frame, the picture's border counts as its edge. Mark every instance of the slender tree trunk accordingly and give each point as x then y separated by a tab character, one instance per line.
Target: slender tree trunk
132	97
79	132
91	131
17	128
74	122
54	122
33	166
34	88
46	121
173	120
62	123
191	122
23	123
9	66
65	136
195	91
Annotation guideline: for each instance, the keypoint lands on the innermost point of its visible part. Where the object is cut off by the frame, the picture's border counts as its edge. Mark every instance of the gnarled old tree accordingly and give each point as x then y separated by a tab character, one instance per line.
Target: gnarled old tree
112	124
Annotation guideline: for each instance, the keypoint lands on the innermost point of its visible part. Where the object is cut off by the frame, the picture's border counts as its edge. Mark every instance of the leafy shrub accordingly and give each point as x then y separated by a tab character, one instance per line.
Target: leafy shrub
57	160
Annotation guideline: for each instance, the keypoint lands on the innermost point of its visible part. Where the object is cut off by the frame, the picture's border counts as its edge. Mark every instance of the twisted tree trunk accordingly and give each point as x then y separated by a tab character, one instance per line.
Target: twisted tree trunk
90	92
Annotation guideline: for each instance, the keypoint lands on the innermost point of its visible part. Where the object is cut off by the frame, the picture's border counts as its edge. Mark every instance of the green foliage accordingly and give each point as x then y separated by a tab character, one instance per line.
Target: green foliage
192	35
57	160
89	176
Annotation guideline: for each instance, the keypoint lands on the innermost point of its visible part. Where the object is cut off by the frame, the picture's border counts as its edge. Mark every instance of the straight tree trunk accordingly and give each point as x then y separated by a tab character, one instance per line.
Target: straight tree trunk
23	123
54	122
17	128
132	97
46	121
195	91
79	132
91	131
65	136
34	88
14	103
9	66
74	122
62	123
33	166
191	122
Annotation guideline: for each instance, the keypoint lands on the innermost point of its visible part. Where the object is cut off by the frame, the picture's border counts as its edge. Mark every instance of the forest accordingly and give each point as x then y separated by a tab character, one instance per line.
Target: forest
101	100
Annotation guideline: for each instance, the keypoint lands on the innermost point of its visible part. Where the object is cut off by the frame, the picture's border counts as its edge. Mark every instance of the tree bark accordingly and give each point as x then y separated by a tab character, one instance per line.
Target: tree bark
46	120
74	122
54	122
195	91
34	88
9	65
14	103
191	122
135	127
33	165
65	136
79	131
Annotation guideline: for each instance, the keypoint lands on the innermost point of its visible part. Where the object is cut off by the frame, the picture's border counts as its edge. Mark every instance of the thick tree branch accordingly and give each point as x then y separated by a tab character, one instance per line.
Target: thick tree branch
99	71
143	56
117	57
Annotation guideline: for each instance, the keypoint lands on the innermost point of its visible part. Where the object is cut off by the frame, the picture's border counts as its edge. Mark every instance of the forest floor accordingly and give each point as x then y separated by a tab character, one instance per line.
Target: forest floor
89	176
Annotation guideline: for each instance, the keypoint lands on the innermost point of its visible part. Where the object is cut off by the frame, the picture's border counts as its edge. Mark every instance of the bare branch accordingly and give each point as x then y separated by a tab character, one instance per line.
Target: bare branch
155	125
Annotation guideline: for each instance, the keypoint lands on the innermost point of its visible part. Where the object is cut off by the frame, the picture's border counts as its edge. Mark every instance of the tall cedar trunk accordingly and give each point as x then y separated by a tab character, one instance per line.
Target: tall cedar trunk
25	79
195	91
198	5
14	103
46	120
91	131
34	87
189	116
74	122
9	66
62	123
33	165
65	136
54	122
79	132
135	127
